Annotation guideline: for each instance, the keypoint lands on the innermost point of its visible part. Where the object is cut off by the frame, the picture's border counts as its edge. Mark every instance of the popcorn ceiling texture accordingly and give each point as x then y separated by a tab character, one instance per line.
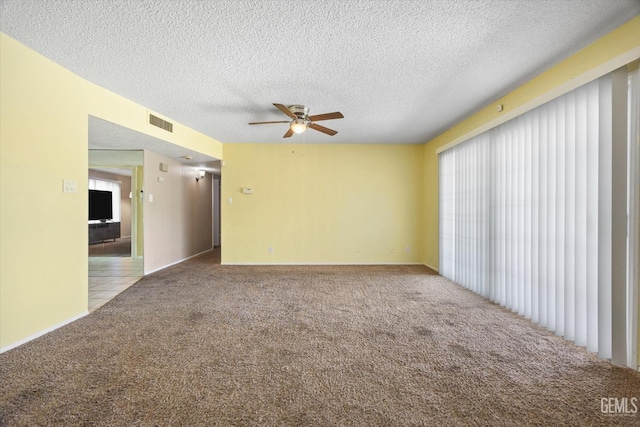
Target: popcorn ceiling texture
400	71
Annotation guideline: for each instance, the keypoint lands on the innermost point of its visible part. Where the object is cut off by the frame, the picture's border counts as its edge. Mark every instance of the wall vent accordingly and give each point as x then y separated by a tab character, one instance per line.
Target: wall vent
162	124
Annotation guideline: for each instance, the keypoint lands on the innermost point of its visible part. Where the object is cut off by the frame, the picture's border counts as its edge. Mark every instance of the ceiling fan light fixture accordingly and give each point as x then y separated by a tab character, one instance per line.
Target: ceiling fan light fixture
300	120
298	126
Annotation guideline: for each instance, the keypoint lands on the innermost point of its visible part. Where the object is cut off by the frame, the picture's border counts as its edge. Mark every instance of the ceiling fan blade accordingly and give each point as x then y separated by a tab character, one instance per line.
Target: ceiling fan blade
326	116
288	134
322	129
263	123
285	110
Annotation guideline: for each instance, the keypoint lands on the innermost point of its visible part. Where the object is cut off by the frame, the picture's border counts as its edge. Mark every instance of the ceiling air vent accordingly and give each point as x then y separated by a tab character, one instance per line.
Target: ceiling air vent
162	124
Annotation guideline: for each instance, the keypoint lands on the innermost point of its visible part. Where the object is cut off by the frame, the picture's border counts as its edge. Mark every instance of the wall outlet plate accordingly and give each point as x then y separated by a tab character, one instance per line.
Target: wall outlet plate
69	186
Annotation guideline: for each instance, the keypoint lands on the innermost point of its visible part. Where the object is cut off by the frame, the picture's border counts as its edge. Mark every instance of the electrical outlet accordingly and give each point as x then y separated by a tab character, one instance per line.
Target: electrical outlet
270	249
407	249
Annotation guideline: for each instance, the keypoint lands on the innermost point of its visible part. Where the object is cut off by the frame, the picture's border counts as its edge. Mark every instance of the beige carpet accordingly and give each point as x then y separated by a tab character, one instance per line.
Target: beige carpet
203	345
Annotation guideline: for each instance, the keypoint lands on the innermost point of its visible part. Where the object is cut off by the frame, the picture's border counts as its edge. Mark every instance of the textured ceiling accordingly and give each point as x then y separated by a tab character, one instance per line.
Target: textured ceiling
400	71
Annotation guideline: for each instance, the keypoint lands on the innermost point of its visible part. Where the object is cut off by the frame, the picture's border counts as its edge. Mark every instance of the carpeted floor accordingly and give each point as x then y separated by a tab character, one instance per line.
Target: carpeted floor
202	345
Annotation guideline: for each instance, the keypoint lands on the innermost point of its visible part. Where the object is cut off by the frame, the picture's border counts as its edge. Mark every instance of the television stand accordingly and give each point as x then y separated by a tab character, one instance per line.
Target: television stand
101	231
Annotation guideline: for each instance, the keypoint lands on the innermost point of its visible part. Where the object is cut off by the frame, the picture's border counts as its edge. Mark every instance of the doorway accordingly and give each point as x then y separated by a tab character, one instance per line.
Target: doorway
116	260
115	146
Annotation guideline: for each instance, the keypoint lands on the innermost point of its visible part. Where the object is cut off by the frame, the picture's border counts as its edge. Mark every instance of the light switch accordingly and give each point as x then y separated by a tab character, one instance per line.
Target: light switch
229	199
150	198
69	186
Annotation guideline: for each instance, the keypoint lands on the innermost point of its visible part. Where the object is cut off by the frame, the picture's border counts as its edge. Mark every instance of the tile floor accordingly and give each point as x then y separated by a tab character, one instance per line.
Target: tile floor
108	276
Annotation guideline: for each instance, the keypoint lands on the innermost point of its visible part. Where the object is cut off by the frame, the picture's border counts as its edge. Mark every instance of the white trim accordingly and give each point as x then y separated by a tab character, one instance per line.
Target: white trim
41	333
594	73
177	262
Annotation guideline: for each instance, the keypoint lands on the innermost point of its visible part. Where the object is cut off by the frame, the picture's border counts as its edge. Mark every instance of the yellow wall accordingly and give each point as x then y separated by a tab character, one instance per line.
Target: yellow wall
594	57
322	203
44	113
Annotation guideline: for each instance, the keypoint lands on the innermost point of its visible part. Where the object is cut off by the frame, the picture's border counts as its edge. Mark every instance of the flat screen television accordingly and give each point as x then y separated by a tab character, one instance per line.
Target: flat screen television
100	205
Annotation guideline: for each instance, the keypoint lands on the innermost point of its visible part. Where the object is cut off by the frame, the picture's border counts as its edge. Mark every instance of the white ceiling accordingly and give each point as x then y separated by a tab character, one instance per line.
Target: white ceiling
400	71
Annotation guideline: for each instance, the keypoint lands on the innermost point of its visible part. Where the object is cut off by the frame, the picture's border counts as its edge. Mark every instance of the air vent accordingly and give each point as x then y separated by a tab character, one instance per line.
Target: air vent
162	124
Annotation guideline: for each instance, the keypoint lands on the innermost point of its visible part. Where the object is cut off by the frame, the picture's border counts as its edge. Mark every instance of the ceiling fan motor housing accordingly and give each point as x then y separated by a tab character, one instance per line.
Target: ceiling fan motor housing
302	111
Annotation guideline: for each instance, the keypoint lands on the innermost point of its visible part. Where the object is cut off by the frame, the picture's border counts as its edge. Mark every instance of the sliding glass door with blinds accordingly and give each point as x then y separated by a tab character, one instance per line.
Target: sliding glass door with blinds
533	215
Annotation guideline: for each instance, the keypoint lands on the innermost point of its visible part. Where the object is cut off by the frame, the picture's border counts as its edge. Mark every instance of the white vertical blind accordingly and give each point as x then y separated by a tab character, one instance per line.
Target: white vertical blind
633	297
524	219
592	217
114	187
447	214
464	214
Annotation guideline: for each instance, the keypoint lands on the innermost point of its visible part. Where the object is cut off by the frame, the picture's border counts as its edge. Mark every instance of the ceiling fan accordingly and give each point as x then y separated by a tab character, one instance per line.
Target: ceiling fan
301	120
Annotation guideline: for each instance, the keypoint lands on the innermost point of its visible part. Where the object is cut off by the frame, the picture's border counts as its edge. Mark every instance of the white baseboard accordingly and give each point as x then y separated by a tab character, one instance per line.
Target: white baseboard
41	333
431	267
177	262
